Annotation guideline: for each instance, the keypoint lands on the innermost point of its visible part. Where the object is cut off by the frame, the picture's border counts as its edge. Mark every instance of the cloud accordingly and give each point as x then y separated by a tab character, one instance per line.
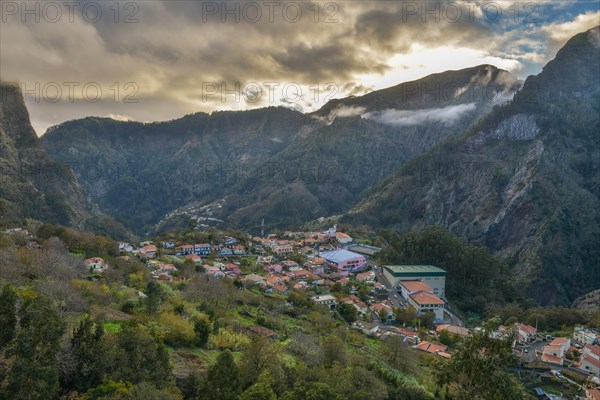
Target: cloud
446	115
119	117
176	47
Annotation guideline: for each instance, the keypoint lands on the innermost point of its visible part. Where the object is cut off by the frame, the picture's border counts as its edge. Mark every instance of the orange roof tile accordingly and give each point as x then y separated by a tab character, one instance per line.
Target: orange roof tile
426	298
415	286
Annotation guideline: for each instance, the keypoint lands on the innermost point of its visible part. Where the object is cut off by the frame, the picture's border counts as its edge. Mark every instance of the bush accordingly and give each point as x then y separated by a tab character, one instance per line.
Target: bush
180	332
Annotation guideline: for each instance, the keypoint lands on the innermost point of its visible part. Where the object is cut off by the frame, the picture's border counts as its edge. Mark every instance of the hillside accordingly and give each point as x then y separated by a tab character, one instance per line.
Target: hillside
236	168
523	182
33	185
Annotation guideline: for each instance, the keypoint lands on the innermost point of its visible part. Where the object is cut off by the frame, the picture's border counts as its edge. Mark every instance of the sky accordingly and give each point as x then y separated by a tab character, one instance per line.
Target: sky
160	60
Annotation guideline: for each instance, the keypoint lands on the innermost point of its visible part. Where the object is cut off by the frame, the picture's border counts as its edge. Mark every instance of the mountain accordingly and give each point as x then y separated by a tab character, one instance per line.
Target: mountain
34	186
236	168
524	181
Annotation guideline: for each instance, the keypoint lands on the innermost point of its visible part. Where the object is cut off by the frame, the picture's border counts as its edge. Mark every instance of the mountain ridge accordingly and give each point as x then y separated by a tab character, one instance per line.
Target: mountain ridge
523	181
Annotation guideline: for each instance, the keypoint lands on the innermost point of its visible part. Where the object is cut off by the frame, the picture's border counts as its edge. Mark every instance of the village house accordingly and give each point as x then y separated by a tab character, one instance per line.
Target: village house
590	359
224	251
232	268
325	299
426	302
433	348
126	247
273	269
95	264
583	336
168	245
214	270
283	250
202	249
525	333
256	279
316	265
281	289
343	238
184	250
194	258
239	250
167	269
554	352
368	328
344	281
289	264
378	287
379	308
367	277
148	251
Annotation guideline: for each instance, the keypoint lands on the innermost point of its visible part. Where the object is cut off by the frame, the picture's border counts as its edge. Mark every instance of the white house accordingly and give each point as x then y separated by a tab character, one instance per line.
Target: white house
554	352
590	359
426	302
325	299
583	336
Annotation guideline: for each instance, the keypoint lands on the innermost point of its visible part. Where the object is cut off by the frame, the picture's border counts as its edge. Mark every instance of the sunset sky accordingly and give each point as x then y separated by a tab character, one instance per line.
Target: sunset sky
155	60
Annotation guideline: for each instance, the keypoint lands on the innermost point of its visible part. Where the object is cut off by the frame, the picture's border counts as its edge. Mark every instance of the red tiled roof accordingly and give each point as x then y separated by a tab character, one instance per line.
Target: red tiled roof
591	360
559	341
431	347
593	394
530	330
280	288
365	274
551	359
426	298
415	286
594	349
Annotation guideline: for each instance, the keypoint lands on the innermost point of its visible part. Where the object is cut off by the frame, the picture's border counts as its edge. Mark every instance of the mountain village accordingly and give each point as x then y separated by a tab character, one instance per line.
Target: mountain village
336	272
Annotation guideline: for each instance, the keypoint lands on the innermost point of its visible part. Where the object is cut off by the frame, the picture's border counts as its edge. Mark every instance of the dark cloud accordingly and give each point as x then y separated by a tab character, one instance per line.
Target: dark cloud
171	49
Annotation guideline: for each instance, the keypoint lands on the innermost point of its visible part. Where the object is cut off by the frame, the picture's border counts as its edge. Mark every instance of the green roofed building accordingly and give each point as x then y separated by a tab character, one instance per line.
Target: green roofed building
432	276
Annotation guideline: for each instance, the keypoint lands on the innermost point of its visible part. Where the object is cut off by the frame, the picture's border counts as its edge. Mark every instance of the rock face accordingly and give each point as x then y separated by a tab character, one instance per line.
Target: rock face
33	185
236	168
517	127
524	181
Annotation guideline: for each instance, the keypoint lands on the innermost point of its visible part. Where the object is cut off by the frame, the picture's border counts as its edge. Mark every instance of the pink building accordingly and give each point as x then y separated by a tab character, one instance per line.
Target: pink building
344	261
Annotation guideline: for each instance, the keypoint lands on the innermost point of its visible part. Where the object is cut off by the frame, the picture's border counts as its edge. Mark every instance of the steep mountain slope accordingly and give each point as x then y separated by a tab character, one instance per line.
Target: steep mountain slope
272	163
33	185
524	181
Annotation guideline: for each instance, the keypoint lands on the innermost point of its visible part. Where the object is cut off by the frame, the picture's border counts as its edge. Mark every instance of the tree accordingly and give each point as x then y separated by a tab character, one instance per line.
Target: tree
261	390
405	316
156	293
141	357
397	353
8	314
224	378
202	329
311	391
427	320
334	350
259	355
91	356
34	373
477	370
348	312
